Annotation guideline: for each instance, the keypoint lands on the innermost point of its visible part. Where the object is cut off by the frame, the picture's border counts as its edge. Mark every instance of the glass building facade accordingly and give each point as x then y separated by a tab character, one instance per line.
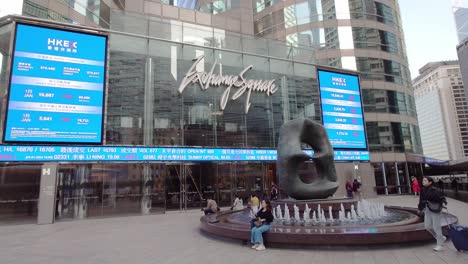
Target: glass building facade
367	36
152	45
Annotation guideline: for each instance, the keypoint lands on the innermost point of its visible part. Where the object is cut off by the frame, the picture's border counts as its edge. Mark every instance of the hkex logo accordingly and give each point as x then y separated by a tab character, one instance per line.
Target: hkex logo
62	45
339	81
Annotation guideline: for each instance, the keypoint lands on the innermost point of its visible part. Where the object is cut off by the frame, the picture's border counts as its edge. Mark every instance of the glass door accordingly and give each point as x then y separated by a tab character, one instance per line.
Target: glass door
249	179
225	184
95	190
188	185
200	183
174	187
19	192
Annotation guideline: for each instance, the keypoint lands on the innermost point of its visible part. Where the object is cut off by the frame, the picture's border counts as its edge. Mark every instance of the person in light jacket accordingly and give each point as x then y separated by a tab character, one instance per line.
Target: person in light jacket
238	204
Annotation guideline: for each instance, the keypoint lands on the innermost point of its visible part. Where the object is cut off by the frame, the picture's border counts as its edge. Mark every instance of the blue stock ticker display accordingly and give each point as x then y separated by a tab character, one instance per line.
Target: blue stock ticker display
342	109
148	154
56	90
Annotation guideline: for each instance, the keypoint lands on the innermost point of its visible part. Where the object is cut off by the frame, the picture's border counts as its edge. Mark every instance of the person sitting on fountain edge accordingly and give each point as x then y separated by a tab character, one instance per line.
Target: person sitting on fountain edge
211	207
238	204
254	202
262	225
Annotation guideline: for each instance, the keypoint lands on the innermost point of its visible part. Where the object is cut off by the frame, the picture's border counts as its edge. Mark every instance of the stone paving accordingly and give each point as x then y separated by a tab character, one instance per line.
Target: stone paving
175	238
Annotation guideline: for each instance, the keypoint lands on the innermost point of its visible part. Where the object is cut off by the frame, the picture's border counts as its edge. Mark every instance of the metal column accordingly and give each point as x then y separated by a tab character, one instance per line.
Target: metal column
148	129
397	175
384	178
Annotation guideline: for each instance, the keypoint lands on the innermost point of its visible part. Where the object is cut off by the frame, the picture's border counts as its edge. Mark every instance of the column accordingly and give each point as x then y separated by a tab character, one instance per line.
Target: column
384	175
146	189
397	175
47	194
408	181
148	135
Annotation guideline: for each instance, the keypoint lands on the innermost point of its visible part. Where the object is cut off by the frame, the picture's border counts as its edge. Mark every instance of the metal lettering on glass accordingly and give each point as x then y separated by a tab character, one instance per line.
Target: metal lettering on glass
205	80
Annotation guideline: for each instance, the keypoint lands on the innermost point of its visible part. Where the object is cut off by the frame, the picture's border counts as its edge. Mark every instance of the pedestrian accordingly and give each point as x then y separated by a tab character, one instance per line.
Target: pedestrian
415	185
455	185
274	192
349	189
262	224
357	188
431	202
440	183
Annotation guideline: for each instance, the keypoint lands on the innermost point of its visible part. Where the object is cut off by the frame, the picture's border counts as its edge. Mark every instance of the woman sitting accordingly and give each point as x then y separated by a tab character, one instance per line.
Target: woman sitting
262	225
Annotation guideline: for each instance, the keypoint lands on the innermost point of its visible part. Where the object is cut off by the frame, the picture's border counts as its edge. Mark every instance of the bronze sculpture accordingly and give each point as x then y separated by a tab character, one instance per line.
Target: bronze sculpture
290	156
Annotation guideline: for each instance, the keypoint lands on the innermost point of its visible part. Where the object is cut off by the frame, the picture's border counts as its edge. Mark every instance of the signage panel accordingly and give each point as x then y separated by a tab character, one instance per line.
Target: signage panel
140	154
342	113
56	91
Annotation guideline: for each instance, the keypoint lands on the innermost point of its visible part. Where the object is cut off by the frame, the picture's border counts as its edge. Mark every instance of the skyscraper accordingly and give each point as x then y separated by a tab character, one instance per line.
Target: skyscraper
442	110
460	13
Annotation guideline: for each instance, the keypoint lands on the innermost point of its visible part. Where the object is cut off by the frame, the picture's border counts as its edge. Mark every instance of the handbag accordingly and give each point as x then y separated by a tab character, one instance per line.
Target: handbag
258	223
434	207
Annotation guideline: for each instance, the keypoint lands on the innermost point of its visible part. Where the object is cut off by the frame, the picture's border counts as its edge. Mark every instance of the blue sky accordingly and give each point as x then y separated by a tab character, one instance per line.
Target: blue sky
430	32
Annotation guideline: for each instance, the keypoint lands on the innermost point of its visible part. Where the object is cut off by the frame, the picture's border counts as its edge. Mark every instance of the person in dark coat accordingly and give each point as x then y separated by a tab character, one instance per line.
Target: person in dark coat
440	184
431	201
349	189
274	192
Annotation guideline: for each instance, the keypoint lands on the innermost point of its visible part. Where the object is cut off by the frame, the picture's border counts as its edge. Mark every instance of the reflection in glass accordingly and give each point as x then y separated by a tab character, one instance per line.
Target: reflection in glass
380	69
198	35
370	38
393	137
384	101
313	38
372	10
171	30
125	99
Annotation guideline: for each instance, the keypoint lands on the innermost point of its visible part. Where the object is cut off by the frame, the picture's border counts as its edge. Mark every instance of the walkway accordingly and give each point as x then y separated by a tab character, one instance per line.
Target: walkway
175	238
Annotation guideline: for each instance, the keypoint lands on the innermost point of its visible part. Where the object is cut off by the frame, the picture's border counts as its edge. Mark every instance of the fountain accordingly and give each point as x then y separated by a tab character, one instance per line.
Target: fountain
297	218
359	222
349	221
287	218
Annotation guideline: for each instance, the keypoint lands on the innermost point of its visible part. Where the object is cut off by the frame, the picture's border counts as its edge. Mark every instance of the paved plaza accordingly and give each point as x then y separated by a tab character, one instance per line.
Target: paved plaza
175	238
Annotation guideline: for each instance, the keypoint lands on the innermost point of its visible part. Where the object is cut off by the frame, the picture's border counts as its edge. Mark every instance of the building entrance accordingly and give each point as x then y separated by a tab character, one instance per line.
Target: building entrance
188	185
104	189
